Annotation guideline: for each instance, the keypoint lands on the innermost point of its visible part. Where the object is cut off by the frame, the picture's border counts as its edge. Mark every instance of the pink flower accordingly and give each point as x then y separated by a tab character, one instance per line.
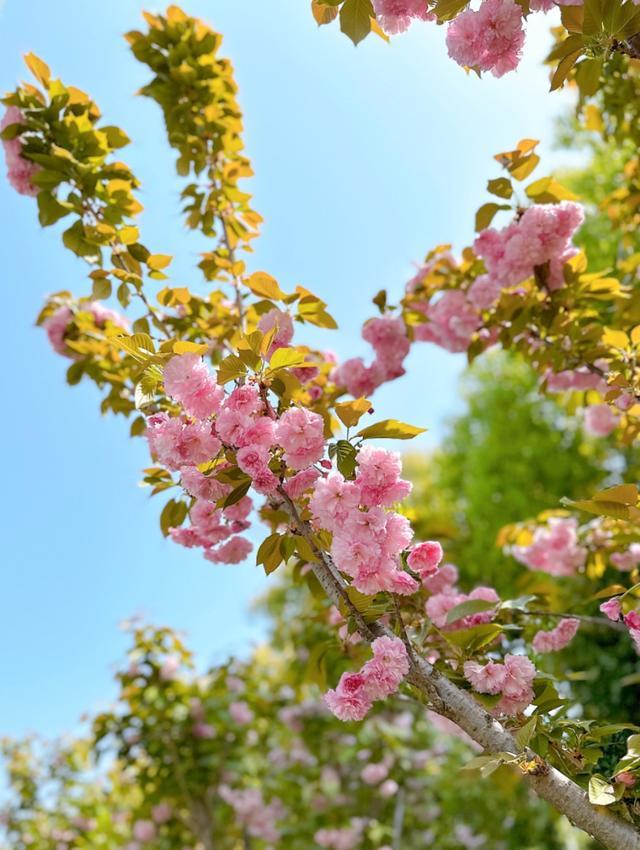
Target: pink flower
425	558
627	561
395	16
56	326
20	171
283	324
240	713
379	477
350	700
161	813
176	443
600	420
373	774
144	830
188	381
302	481
388	667
555	548
486	679
300	432
557	638
170	667
443	581
452	321
202	486
612	608
490	39
627	778
334	499
358	379
252	460
245	399
234	551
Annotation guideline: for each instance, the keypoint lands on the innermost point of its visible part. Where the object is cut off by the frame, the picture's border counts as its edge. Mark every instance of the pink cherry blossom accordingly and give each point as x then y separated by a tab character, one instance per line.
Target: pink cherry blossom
395	16
612	608
161	813
452	321
425	558
176	443
188	381
300	432
283	324
350	700
555	548
379	477
557	638
626	561
20	171
241	713
374	773
600	420
234	551
144	830
489	39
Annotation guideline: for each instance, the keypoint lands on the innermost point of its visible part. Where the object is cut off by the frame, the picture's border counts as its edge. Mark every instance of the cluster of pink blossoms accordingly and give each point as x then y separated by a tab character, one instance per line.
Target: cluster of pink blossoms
59	323
453	320
513	679
627	560
20	171
367	539
379	678
395	16
147	830
445	596
542	235
283	324
581	379
388	337
347	838
490	39
555	548
259	818
557	638
612	608
600	420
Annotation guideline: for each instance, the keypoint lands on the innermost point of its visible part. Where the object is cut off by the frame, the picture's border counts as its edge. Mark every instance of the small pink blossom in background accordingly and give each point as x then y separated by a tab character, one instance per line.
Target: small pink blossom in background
626	777
557	638
395	16
425	558
600	420
203	731
627	561
373	774
284	328
161	813
484	292
576	379
632	620
20	171
346	838
379	477
555	548
612	608
389	788
170	667
240	713
489	39
258	817
444	581
388	338
144	830
188	381
300	432
55	327
234	551
452	322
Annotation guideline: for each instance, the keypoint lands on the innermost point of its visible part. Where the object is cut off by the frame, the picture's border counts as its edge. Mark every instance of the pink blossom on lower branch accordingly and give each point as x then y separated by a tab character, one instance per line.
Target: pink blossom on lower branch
513	679
558	638
395	16
300	432
378	679
600	420
259	818
555	548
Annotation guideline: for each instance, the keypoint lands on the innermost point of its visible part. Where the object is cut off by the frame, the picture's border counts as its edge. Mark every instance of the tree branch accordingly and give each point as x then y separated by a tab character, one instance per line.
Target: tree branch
459	706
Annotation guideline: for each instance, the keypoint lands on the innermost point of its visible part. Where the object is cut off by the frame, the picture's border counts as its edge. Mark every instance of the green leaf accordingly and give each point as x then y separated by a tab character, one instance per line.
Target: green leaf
269	553
446	10
390	429
173	515
466	609
38	68
237	493
486	214
501	187
262	284
355	19
286	357
231	368
350	412
524	735
346	458
50	209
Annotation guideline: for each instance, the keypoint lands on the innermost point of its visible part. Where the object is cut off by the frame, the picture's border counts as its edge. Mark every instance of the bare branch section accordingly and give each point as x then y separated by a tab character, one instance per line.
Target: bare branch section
457	705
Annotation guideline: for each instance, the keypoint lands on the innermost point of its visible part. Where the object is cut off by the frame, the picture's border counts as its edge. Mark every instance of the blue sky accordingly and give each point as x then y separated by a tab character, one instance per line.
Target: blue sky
364	160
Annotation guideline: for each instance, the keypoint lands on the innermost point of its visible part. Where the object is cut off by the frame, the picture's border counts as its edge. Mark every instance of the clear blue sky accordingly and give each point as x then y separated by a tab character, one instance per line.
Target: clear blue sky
364	160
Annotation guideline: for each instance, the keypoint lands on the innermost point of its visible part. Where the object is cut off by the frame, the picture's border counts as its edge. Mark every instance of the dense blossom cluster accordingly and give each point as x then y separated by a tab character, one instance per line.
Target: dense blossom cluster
512	679
489	39
540	239
344	838
258	817
20	171
555	548
395	16
378	678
